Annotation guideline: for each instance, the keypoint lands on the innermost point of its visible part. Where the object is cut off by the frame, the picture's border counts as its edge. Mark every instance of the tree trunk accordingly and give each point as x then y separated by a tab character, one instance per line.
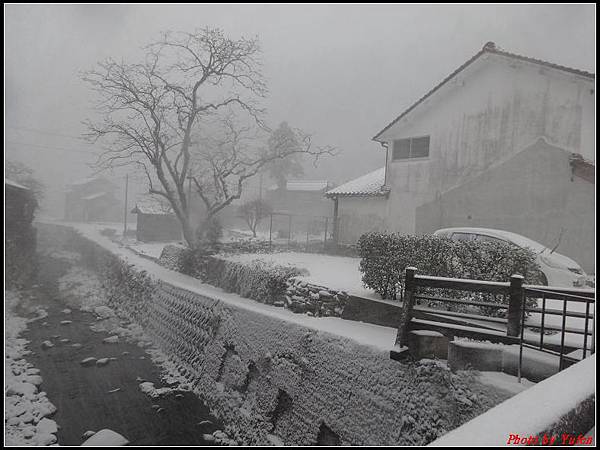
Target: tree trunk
189	233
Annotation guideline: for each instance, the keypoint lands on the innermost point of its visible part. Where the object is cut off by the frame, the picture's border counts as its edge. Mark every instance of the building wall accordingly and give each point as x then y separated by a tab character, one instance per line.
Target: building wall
358	215
487	114
157	228
533	194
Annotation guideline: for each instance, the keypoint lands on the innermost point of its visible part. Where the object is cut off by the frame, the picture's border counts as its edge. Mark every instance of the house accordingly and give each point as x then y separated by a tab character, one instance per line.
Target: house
19	233
302	199
505	141
93	200
156	221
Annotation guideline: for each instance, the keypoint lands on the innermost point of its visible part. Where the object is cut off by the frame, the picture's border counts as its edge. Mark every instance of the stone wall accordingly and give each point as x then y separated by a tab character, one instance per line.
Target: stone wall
275	381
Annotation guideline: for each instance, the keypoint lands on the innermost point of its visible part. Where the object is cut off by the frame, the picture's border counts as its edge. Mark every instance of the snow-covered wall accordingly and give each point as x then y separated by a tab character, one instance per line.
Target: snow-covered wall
274	380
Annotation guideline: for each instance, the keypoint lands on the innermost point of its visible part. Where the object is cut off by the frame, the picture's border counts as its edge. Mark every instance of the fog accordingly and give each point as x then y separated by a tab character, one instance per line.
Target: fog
338	72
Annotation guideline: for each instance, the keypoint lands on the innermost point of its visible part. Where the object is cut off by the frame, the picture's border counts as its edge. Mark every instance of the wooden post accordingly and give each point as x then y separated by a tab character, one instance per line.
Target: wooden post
270	230
516	302
325	238
406	314
335	222
289	229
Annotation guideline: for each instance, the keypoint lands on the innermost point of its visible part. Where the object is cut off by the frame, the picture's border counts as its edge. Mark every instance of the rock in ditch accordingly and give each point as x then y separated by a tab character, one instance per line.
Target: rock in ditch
88	361
106	438
111	340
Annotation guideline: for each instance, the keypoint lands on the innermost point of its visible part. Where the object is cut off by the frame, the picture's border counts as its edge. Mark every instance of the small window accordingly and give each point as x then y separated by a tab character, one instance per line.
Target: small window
417	147
402	149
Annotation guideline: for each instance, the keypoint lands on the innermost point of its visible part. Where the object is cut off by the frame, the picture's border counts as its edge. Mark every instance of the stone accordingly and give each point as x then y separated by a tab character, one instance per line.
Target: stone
111	340
88	361
102	362
65	341
47	426
325	294
66	311
24	389
76	345
46	345
106	438
427	344
66	322
104	312
88	434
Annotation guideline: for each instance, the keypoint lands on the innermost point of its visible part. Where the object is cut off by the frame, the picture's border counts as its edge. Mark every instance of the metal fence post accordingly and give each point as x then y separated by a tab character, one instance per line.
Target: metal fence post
516	302
405	315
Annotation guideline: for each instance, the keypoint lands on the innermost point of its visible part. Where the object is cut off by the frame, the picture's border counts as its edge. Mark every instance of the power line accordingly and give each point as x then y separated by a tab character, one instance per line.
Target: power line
52	133
48	147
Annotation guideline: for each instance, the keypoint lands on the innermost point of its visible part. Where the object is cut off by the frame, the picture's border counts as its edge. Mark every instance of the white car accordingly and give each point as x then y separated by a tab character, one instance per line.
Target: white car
558	270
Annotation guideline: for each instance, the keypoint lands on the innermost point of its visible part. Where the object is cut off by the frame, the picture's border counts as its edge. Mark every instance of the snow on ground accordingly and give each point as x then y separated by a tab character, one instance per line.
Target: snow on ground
150	249
552	398
335	272
505	381
376	336
26	409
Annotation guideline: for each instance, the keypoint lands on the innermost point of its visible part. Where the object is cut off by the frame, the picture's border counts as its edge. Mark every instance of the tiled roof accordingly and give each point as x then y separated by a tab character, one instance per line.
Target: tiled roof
370	184
491	48
151	204
15	184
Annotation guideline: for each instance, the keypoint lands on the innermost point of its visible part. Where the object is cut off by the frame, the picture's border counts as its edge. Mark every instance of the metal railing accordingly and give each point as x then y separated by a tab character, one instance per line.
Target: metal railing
583	299
502	312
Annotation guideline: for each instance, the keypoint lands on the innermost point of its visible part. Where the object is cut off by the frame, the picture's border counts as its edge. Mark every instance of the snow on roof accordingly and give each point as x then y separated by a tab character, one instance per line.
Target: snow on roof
15	184
151	204
369	184
94	196
488	48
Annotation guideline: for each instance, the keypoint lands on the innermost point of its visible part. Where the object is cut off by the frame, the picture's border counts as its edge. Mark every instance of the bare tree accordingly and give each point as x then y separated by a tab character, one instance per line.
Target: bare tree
253	212
233	153
151	110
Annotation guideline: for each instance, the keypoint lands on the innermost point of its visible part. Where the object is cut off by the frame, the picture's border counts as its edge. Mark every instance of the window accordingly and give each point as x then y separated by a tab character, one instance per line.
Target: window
417	147
484	238
462	236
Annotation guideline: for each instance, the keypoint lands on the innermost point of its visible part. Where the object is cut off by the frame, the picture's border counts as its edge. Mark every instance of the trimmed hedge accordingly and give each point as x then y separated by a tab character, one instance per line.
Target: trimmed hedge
386	256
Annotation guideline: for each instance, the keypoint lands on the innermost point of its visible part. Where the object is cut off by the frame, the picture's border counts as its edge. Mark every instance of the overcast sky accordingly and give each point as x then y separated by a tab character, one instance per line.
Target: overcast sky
339	72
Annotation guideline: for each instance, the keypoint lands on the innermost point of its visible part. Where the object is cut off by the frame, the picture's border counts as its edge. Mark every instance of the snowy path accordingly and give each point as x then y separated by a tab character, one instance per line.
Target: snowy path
98	397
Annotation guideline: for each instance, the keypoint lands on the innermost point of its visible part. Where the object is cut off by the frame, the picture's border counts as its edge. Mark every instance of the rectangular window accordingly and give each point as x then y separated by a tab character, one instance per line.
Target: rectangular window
417	147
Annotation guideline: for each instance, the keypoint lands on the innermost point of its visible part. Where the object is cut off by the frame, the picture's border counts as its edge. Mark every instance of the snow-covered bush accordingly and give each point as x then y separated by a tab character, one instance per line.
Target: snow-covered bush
386	256
258	280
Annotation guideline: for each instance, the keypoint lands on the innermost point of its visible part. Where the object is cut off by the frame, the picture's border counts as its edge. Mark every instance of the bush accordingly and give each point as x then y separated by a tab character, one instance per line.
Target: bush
258	280
386	256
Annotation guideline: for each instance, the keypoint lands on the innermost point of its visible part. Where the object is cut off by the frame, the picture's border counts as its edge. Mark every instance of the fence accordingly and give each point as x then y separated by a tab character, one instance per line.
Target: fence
300	230
520	321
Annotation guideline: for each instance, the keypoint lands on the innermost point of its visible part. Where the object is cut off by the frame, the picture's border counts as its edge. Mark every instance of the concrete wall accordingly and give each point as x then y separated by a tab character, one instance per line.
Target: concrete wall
358	215
532	194
270	377
491	111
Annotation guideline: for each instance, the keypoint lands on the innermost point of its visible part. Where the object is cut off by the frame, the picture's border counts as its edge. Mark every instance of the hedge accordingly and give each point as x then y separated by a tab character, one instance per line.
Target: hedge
384	258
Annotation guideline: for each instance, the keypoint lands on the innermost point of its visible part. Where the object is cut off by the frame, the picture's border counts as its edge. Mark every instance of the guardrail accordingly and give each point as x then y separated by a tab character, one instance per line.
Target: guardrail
503	312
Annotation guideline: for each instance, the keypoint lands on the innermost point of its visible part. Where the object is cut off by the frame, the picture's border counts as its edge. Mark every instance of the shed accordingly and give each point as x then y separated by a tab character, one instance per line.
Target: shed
156	221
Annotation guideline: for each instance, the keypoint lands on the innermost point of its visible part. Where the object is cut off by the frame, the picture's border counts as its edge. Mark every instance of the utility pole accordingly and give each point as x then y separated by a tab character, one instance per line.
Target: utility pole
125	209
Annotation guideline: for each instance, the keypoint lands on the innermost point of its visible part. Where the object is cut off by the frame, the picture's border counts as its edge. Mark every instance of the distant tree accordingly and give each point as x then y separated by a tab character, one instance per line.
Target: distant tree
152	113
22	174
253	212
281	169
